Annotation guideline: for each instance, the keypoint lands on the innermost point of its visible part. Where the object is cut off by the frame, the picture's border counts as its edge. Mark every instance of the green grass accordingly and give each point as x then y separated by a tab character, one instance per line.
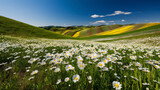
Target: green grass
19	29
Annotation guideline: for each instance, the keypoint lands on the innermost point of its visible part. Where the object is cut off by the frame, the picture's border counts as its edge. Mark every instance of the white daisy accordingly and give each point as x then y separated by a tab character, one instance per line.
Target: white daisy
66	79
34	72
116	85
57	70
100	64
76	78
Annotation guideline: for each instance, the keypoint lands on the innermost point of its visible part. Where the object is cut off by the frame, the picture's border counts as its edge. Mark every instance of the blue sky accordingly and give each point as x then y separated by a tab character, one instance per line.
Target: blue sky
81	12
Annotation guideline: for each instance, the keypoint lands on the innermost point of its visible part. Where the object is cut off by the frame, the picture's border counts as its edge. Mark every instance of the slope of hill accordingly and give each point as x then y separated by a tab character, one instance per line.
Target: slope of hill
16	28
95	30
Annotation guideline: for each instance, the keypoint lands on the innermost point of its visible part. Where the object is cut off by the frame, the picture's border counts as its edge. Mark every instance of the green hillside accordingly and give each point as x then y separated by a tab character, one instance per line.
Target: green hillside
151	29
16	28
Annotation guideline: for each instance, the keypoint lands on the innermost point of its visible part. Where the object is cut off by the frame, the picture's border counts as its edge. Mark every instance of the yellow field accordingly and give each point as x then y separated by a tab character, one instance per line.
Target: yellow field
65	32
148	25
76	34
117	31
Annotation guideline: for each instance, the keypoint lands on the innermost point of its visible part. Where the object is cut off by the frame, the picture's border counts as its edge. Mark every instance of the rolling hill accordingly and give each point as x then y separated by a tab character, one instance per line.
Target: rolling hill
15	28
145	30
105	31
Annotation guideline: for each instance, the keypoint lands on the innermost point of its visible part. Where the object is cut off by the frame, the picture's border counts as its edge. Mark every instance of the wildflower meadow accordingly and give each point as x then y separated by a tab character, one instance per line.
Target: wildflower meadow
70	64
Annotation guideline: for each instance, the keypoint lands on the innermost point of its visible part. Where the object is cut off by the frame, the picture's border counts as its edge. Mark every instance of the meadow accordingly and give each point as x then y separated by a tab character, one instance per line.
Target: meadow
39	63
106	57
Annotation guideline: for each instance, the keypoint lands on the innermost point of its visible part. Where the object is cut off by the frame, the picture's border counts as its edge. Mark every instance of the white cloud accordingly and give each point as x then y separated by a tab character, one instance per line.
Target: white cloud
118	13
95	16
123	20
115	13
100	22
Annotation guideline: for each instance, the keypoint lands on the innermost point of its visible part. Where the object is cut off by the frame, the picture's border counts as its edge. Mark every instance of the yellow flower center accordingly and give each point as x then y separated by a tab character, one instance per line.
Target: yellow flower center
76	78
108	59
81	65
156	61
104	61
35	72
116	85
80	60
100	64
68	67
155	66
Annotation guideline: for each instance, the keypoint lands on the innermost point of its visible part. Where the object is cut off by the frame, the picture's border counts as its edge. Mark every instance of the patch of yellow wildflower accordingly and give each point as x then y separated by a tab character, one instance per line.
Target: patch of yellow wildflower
148	25
65	32
117	30
76	34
